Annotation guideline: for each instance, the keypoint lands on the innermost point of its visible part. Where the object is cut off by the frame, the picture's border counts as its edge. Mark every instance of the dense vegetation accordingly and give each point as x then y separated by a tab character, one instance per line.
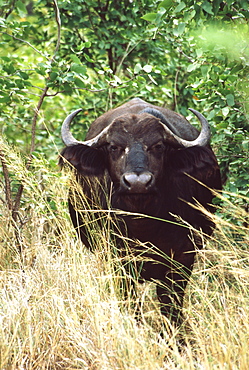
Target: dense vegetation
60	308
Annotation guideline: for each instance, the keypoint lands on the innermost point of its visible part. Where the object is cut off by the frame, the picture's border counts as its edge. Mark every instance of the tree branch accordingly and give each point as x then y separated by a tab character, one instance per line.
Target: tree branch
25	42
36	113
58	21
7	181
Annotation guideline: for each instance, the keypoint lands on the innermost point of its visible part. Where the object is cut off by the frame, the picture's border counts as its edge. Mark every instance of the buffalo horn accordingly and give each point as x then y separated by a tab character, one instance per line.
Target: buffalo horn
202	139
68	138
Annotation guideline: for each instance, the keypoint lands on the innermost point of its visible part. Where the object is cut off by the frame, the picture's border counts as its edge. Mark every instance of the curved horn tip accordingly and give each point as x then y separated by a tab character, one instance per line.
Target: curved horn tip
70	117
66	135
200	116
75	112
196	113
78	110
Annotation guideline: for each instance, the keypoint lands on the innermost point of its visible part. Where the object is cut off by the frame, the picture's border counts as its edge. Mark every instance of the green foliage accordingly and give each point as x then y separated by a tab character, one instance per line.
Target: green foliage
211	73
179	53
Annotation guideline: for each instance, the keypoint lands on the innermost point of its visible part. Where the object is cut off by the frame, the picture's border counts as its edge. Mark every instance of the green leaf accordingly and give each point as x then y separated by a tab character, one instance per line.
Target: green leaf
205	70
6	59
222	125
53	76
75	59
166	4
150	17
79	83
180	29
79	69
199	53
189	15
137	68
147	68
192	67
41	70
180	7
152	79
9	68
225	111
230	99
88	59
6	37
21	8
5	99
20	84
207	7
245	144
23	75
2	21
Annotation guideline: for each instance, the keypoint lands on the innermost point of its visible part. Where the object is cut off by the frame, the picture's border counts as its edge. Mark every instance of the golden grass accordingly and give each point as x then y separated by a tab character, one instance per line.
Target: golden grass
60	307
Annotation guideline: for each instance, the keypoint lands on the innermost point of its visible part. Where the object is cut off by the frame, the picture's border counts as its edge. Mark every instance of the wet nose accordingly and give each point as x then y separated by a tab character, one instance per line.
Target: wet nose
137	183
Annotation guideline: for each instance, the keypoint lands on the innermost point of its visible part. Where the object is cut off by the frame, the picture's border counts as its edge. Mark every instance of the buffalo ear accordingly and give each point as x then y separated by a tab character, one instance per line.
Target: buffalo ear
86	160
199	163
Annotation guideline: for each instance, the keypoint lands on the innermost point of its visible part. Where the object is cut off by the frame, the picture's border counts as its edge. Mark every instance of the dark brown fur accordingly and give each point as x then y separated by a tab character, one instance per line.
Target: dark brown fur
135	143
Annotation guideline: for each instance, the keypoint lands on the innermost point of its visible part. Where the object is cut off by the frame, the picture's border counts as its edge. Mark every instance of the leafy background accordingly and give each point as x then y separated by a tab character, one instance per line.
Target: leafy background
56	57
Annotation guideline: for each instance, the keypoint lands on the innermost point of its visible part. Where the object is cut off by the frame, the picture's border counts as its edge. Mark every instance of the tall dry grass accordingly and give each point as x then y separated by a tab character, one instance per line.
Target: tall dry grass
60	307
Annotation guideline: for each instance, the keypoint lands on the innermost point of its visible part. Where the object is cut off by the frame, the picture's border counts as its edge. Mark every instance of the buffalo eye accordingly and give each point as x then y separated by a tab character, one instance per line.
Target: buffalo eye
113	148
157	148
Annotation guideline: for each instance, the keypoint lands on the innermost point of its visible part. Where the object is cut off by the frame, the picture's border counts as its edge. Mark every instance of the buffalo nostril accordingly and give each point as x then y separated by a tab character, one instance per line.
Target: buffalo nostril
137	183
145	178
130	179
126	180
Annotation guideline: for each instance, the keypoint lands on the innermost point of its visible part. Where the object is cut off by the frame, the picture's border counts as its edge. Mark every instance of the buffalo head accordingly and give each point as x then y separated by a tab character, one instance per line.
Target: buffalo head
131	148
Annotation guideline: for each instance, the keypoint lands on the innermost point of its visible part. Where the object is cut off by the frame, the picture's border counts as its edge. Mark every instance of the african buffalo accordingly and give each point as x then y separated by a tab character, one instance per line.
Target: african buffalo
152	161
